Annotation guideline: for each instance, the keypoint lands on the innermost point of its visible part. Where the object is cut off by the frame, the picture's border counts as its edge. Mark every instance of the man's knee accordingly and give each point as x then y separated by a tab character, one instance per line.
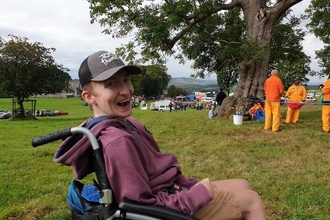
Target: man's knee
245	184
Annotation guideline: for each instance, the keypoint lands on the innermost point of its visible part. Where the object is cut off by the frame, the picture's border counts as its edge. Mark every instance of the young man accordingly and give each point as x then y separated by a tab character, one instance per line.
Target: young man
273	90
136	168
297	95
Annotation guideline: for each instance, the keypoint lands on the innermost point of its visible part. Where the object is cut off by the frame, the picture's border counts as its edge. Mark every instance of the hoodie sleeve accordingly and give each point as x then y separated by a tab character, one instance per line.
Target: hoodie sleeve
127	168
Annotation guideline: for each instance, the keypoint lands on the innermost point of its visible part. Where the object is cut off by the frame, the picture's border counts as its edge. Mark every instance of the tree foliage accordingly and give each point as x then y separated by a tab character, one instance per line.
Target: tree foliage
216	47
287	53
153	81
319	14
172	91
29	69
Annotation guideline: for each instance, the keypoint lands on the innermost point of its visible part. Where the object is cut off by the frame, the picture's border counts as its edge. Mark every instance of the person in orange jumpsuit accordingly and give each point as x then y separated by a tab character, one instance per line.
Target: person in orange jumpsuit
256	106
274	89
297	96
326	106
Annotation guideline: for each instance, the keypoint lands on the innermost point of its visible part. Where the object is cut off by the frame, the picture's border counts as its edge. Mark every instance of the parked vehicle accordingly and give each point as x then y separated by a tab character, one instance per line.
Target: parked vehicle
164	108
206	99
45	112
310	99
283	100
163	105
6	115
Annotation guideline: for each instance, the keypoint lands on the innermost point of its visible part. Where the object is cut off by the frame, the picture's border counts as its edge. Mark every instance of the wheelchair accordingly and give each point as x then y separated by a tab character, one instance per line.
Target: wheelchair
107	207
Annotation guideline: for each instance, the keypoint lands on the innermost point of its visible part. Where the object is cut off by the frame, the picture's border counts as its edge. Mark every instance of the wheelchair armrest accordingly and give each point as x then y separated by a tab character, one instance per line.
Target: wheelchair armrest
154	210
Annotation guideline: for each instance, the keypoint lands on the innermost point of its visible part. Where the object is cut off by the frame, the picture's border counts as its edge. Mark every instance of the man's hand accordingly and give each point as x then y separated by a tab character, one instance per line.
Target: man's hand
209	186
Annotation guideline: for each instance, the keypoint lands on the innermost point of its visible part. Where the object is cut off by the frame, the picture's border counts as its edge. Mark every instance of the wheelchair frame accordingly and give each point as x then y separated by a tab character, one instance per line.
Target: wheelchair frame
126	209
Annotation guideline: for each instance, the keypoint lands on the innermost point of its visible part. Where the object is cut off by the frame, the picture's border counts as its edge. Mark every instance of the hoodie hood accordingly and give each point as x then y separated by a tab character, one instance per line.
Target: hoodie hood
76	151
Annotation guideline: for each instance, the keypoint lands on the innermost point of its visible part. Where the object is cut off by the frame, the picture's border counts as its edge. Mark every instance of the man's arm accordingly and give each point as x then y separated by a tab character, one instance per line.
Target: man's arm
126	170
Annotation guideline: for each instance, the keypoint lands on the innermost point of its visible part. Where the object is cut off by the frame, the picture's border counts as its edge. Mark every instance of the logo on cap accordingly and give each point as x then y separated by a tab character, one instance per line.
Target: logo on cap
106	58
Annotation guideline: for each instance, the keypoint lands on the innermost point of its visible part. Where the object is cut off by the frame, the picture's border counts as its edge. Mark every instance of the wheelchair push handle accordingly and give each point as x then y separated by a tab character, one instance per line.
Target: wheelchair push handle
62	134
48	138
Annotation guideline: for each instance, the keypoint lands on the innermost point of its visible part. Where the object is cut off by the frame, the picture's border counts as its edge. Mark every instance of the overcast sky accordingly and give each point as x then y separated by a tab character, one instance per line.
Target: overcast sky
65	25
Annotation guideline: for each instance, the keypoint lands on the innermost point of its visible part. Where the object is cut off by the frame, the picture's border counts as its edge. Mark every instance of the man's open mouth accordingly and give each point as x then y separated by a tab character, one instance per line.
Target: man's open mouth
124	103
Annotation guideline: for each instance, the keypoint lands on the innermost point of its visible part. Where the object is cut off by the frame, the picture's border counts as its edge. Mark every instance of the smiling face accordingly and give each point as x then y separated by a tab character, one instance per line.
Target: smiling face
111	97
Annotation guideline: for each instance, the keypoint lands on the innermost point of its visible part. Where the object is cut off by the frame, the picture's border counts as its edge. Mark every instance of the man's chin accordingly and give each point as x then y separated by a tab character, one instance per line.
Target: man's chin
125	114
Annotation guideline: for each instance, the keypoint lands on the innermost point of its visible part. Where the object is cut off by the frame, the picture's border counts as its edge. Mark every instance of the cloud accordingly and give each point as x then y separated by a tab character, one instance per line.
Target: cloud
64	25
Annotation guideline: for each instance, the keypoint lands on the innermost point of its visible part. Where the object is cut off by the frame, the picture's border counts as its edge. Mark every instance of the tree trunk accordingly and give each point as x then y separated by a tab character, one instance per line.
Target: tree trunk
20	110
252	77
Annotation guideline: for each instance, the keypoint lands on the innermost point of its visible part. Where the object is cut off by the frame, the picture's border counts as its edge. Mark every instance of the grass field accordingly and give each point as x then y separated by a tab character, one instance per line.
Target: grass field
289	169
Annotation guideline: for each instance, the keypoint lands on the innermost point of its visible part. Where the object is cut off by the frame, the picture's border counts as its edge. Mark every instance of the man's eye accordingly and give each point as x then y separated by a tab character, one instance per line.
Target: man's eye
111	84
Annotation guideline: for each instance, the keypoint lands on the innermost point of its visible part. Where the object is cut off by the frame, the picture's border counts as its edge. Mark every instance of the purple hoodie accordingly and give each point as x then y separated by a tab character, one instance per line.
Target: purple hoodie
135	167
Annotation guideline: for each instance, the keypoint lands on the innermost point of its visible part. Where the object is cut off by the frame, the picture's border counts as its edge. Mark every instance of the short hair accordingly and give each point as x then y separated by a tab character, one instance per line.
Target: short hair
274	72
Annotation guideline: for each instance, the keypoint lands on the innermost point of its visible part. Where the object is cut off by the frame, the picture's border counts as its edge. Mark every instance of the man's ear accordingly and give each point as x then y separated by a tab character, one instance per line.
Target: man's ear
87	97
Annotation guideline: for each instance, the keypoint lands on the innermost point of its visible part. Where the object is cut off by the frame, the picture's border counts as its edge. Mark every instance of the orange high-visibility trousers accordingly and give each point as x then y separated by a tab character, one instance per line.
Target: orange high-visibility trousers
292	115
326	118
272	116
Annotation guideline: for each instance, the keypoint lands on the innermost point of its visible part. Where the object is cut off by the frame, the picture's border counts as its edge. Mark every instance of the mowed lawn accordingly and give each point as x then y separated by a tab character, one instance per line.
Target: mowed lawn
289	169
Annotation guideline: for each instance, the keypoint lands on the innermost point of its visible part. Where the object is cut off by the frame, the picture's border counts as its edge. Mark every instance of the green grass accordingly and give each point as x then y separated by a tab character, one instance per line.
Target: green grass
289	169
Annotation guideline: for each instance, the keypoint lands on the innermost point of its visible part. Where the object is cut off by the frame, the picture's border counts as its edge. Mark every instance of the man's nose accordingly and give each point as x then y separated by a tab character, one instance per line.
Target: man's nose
125	89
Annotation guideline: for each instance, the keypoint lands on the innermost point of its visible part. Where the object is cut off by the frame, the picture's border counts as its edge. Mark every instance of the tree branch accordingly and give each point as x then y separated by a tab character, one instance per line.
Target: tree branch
201	16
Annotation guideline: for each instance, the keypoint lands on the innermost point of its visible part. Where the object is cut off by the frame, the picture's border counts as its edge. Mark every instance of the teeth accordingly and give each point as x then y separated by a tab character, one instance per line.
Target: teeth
127	100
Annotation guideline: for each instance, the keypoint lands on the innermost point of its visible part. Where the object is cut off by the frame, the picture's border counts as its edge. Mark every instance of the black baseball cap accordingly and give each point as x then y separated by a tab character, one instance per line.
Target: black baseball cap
101	66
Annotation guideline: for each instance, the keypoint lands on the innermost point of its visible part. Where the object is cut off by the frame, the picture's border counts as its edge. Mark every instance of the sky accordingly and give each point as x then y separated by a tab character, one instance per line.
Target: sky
65	25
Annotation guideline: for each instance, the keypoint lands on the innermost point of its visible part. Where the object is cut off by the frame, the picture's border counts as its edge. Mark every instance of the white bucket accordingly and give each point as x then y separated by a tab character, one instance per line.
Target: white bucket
238	119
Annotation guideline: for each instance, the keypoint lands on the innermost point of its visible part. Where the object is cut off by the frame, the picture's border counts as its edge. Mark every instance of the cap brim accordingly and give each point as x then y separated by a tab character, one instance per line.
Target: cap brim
107	74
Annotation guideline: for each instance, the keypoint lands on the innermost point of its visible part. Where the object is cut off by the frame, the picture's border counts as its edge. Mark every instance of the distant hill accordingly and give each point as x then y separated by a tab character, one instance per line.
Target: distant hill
191	84
191	81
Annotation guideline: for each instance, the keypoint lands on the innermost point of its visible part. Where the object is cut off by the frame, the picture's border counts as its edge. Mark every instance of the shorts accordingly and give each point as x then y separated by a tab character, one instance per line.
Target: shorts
224	206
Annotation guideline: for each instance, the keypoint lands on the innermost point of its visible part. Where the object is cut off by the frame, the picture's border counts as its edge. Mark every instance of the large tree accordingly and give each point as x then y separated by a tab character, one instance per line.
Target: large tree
162	28
29	69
